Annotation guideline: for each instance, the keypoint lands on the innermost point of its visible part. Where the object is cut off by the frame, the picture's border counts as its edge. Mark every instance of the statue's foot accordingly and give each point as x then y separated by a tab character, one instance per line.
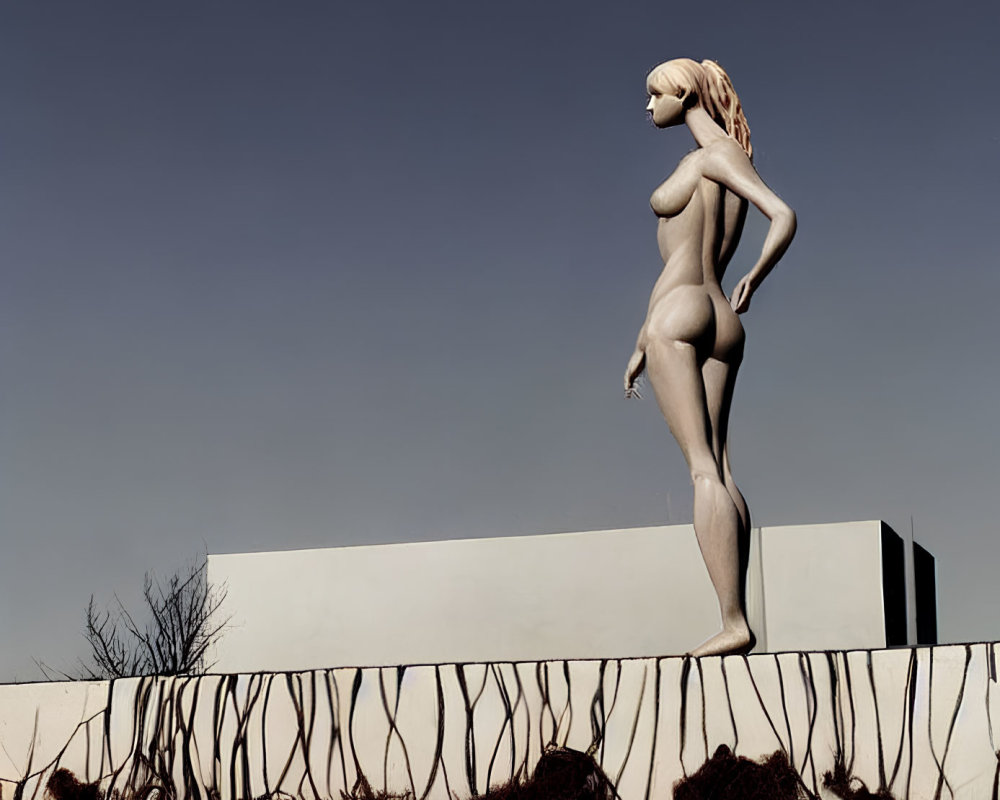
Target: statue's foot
730	641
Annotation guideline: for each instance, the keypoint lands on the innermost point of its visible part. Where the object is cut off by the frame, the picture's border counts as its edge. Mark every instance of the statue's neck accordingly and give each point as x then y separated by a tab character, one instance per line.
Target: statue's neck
704	129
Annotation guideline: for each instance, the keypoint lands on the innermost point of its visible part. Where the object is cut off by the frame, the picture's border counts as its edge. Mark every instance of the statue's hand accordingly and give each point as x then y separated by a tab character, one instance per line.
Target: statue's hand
740	300
632	372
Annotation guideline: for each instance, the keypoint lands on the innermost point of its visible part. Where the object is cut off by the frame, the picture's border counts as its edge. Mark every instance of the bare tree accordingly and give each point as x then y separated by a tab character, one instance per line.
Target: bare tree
182	621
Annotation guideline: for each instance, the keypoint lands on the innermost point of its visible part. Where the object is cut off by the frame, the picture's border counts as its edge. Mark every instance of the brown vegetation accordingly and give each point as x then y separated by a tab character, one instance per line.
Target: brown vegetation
738	778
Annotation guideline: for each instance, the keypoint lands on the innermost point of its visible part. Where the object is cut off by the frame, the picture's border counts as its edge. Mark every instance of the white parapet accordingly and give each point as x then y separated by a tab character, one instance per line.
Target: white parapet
46	723
617	593
918	723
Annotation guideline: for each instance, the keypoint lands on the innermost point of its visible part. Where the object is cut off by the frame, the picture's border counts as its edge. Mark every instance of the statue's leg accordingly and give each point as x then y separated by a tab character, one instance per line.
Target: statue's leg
676	378
720	380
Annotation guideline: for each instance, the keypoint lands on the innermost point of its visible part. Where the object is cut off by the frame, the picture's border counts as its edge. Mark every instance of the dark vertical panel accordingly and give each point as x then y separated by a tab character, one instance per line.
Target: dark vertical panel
925	591
893	587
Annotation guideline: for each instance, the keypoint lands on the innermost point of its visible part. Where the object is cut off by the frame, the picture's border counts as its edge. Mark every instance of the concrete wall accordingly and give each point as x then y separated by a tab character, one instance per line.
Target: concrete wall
621	593
918	722
46	723
823	586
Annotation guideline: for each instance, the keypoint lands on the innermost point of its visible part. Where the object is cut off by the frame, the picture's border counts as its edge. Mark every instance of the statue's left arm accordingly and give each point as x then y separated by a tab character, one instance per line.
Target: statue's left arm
731	167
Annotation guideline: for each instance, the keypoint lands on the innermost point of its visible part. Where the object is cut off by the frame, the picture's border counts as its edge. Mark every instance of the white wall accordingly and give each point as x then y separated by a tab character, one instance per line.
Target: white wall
632	592
45	723
926	715
619	593
822	586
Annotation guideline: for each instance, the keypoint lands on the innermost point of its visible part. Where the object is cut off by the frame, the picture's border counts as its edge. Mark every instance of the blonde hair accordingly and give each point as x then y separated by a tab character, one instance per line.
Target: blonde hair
710	84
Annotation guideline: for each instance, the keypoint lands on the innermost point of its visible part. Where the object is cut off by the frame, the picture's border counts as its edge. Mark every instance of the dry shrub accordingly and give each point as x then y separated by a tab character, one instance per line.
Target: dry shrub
561	774
564	774
63	785
363	791
841	783
733	777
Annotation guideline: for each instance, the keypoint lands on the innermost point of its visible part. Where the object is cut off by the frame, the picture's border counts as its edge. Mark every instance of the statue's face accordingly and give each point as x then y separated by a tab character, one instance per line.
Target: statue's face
666	100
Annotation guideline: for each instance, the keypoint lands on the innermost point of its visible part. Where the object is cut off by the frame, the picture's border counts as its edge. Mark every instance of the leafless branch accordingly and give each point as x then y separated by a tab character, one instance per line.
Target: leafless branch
182	621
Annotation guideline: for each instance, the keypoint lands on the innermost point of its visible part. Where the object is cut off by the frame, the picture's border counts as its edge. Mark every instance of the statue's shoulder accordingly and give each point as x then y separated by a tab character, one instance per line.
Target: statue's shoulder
724	148
725	158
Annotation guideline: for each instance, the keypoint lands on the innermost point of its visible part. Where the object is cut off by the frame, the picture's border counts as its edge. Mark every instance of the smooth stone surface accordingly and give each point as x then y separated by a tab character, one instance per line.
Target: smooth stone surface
618	593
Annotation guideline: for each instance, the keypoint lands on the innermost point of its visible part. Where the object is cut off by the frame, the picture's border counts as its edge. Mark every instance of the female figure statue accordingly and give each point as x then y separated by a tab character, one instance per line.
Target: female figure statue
691	343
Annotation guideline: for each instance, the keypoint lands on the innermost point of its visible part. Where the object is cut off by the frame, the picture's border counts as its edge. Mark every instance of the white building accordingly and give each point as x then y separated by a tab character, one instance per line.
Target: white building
597	594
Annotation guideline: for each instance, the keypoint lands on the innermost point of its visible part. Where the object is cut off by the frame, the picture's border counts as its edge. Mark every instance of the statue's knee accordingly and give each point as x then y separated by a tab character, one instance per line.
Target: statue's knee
706	477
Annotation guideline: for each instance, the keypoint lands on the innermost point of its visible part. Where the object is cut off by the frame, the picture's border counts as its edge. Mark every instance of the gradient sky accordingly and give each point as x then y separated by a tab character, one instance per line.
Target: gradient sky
303	274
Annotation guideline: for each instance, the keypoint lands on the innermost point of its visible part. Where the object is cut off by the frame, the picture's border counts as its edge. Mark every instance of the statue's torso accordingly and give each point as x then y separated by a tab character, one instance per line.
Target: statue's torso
699	226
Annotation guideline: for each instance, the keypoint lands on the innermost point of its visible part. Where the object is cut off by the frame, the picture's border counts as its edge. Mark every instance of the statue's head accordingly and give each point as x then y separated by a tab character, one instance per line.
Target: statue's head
679	85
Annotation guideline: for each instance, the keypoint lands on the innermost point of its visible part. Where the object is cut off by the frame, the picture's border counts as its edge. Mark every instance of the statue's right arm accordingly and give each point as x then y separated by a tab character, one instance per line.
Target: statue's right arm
731	167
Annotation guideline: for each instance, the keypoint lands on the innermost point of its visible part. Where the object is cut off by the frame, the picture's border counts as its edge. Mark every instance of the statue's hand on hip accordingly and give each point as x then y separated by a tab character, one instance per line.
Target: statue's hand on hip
740	299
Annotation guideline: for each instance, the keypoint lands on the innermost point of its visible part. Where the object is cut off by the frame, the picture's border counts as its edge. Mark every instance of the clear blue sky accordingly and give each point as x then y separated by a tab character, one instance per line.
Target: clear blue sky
298	274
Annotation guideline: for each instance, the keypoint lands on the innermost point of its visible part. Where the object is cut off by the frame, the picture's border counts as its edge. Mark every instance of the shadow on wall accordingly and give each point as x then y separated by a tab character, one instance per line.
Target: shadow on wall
566	774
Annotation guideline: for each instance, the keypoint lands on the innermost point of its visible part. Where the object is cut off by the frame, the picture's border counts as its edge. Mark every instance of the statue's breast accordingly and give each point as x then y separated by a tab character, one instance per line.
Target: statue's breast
673	195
